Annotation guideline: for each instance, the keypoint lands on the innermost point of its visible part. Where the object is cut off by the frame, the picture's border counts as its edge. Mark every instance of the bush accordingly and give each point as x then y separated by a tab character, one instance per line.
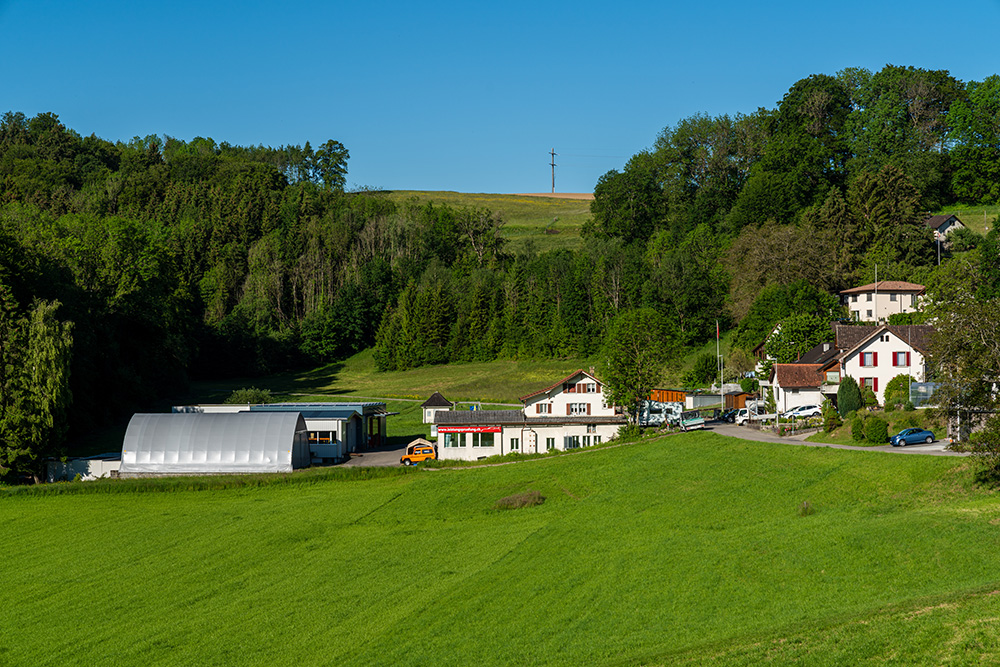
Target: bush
897	391
868	398
876	430
831	419
705	371
858	429
519	500
963	239
805	509
849	396
251	395
909	407
750	385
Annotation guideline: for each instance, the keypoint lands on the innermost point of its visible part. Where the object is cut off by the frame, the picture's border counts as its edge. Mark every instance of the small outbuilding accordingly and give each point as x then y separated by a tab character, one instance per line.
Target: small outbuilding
433	404
207	443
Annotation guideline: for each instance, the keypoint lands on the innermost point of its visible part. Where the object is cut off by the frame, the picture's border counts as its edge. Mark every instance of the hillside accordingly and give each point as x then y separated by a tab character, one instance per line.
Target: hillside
546	222
687	549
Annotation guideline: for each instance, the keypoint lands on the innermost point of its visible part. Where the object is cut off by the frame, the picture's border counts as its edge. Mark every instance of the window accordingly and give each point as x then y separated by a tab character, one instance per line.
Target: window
481	439
885	338
543	408
593	429
869	313
869	359
854	298
515	444
892	297
586	441
597	439
871	383
454	440
579	408
868	297
833	377
550	443
591	388
900	358
322	437
572	441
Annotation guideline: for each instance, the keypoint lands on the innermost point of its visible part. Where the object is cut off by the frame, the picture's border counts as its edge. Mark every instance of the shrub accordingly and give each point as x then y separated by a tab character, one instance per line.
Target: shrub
251	395
519	500
848	396
876	430
750	385
805	509
868	398
909	407
897	391
831	419
858	429
963	239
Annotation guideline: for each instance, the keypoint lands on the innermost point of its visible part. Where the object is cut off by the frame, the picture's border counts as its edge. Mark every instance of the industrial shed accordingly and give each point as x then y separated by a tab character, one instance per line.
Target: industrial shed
199	443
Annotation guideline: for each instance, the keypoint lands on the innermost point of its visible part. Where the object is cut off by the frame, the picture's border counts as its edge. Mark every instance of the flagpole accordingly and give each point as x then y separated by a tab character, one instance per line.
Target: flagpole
718	356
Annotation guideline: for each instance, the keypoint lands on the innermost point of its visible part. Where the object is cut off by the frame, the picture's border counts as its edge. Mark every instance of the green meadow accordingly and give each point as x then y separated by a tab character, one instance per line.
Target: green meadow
688	549
544	223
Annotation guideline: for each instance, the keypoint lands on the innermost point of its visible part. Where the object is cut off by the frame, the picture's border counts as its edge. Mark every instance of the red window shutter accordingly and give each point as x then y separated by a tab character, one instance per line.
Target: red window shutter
875	385
598	387
538	408
567	408
907	358
588	408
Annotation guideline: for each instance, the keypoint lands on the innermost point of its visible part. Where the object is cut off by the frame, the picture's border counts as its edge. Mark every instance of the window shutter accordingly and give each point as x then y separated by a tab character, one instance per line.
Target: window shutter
875	385
907	358
567	408
598	387
874	358
538	408
588	408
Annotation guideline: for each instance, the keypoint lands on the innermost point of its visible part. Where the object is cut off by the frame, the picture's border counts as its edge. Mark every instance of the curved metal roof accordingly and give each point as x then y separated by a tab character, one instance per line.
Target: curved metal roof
215	443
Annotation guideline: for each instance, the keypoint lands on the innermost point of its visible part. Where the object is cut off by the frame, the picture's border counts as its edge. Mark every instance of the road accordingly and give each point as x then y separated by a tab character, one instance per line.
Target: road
936	448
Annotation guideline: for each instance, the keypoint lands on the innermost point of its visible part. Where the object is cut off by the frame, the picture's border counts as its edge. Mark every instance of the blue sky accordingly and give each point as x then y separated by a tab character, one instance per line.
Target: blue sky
448	95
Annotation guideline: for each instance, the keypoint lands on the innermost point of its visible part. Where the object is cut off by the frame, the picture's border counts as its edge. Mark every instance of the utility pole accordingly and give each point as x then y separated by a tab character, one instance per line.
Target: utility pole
552	163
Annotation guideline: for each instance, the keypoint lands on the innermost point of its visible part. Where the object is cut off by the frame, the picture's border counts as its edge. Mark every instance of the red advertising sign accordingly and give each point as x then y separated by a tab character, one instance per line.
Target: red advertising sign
469	429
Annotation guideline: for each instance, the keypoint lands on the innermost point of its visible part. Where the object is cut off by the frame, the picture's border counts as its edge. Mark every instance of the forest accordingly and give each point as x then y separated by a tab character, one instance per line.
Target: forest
129	268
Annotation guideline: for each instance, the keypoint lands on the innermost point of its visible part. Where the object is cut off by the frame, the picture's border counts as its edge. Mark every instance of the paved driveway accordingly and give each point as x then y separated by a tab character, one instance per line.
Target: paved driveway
384	456
936	448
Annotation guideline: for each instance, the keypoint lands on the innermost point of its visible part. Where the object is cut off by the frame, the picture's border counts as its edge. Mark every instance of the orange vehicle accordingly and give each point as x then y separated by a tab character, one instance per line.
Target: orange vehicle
417	453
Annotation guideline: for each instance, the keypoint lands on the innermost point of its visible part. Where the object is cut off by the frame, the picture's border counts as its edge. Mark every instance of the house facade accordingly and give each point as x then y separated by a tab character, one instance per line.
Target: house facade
796	384
433	404
942	225
875	355
569	414
875	302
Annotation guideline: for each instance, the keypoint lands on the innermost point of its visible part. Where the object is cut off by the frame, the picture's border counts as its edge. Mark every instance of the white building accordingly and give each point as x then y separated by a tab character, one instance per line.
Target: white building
568	414
877	301
796	384
875	355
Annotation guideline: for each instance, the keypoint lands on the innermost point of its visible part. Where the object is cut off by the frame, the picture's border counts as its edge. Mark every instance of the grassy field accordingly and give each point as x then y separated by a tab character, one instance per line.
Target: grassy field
546	223
689	549
976	218
897	421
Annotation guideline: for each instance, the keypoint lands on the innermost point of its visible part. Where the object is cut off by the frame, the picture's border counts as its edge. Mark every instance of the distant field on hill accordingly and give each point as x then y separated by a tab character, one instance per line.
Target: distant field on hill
546	222
690	549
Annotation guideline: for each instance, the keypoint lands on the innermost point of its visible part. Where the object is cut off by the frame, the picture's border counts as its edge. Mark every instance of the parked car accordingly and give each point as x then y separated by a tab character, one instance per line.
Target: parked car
692	420
417	453
802	412
728	416
911	436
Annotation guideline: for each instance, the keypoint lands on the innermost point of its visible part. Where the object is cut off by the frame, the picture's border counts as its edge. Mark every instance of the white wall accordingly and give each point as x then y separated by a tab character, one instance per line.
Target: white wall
881	305
884	346
589	392
562	438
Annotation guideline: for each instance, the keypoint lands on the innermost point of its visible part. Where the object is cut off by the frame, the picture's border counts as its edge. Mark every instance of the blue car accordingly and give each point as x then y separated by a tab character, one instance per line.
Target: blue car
911	436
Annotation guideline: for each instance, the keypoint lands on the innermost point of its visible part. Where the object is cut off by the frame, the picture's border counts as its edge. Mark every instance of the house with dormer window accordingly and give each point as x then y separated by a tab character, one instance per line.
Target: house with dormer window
567	414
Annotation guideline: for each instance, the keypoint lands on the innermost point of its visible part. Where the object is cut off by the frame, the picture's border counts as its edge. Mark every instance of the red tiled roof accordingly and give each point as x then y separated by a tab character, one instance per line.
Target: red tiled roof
798	375
886	286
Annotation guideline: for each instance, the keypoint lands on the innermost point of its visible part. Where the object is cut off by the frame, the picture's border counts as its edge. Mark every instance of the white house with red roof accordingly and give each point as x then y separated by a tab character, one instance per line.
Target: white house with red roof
568	414
875	302
874	356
